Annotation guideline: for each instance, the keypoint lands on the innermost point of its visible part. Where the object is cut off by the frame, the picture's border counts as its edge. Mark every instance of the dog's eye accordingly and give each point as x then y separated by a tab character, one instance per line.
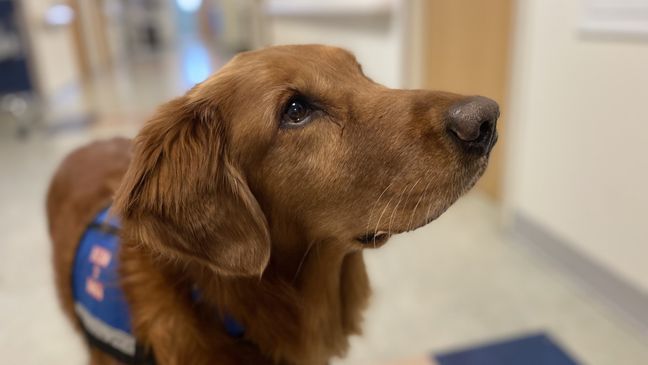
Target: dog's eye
297	113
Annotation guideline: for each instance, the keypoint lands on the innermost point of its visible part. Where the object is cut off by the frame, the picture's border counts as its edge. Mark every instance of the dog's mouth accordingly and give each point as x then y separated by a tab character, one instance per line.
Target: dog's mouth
379	238
375	238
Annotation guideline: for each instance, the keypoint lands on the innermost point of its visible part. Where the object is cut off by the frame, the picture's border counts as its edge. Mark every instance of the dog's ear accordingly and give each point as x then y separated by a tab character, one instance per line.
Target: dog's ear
184	198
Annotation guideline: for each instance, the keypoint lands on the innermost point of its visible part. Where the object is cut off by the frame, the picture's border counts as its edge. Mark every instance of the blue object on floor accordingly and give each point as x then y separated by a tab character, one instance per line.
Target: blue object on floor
536	349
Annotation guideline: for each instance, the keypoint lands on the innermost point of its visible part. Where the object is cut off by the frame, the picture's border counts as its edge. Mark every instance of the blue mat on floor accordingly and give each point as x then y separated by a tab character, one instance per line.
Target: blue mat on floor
536	349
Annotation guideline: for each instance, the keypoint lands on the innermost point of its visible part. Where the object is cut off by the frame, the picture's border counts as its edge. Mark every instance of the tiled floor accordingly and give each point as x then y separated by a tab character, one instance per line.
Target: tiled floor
456	282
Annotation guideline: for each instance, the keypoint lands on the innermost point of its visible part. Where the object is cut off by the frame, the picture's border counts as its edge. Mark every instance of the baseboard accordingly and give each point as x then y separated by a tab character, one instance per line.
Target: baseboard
624	297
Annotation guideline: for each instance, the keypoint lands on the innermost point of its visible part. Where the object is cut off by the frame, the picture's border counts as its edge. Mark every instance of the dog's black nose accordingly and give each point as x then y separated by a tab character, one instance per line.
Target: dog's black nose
472	122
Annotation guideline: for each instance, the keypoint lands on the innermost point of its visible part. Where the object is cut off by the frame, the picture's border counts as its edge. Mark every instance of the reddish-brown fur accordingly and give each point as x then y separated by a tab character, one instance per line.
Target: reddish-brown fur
263	219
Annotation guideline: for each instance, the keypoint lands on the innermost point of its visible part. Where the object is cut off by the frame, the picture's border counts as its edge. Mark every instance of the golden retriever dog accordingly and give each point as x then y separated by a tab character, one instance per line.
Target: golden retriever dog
259	190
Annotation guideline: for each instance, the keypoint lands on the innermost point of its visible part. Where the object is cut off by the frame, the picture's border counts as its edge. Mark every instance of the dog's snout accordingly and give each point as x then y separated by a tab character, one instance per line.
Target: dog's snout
472	122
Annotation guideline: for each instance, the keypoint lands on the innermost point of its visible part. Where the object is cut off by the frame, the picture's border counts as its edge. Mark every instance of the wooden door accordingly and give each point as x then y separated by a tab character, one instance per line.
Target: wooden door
466	50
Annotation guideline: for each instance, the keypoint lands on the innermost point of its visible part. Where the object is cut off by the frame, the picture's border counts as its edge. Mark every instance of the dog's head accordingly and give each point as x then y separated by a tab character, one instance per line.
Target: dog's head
296	143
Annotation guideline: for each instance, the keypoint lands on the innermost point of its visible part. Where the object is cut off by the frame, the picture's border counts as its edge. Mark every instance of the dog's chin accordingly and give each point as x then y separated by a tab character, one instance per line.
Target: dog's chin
470	177
380	237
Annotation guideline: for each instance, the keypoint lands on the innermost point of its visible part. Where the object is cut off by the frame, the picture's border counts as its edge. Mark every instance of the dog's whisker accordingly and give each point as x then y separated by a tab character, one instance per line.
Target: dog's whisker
380	218
400	199
391	215
376	204
424	193
427	213
412	190
301	262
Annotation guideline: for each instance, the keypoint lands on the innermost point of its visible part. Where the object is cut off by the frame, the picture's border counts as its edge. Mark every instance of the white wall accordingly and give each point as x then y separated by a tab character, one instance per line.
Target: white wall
372	29
578	158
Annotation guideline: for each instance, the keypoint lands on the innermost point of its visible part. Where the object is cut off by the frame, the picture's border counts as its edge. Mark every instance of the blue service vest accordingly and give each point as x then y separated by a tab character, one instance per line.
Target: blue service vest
99	301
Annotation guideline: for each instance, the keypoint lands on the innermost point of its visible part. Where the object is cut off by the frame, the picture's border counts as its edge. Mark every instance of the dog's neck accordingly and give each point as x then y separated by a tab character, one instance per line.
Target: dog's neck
313	298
